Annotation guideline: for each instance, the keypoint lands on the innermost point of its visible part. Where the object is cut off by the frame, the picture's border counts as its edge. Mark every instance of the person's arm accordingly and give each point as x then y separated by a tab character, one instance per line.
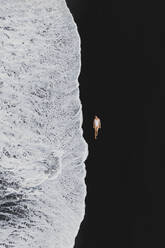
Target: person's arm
99	124
94	124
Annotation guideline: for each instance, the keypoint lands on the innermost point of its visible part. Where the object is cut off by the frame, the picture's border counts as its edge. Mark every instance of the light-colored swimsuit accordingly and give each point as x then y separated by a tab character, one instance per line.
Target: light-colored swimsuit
97	123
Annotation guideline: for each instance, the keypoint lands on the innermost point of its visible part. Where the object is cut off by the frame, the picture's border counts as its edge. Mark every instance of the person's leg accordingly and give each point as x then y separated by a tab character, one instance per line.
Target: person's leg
96	132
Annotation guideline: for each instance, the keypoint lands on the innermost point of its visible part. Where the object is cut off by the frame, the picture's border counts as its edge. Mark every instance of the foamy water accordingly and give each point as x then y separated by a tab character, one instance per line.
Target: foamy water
42	150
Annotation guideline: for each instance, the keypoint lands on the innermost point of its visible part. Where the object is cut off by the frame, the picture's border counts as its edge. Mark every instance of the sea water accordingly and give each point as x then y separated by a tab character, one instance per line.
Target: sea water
42	149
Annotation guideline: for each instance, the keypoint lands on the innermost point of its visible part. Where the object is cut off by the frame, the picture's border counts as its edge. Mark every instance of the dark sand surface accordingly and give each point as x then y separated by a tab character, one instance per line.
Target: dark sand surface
122	81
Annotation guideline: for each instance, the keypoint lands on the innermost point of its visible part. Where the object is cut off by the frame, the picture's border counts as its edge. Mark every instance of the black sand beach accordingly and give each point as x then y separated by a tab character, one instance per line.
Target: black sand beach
122	81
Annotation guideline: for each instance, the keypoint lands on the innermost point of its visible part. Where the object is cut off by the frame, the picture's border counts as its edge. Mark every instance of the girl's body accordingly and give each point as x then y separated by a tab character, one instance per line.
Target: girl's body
96	125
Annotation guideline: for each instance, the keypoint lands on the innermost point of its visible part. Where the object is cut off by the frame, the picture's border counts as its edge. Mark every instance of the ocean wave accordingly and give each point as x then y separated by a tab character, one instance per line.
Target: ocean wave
42	149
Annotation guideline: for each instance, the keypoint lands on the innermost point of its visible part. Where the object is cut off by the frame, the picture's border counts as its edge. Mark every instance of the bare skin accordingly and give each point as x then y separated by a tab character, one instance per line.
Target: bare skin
96	125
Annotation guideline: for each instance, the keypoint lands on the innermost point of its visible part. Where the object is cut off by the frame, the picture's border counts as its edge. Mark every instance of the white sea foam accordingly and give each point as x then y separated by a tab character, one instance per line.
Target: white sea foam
42	150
